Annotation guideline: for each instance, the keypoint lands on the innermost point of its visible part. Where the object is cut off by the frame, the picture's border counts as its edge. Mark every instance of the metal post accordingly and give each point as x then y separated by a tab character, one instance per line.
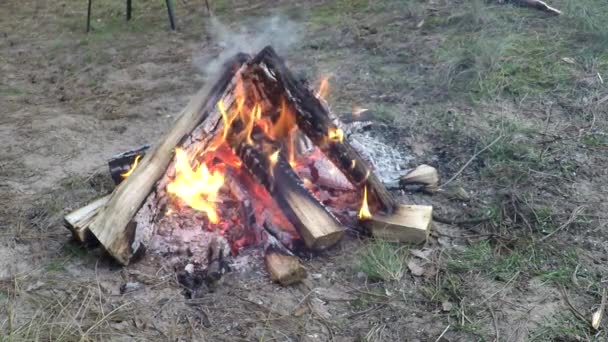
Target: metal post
128	10
170	12
89	16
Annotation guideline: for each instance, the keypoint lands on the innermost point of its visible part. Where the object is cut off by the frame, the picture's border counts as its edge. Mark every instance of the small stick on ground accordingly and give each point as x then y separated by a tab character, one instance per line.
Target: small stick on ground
469	161
573	217
539	5
443	333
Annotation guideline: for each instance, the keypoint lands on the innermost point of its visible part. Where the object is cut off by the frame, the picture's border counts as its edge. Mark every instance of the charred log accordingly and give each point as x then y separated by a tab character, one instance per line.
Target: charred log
317	226
122	163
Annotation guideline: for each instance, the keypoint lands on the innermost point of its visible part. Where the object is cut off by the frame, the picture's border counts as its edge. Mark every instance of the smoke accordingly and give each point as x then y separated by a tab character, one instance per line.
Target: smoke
277	31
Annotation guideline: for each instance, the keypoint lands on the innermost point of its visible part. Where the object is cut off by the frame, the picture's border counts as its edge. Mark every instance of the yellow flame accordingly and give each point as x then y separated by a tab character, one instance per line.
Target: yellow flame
227	119
336	134
250	121
353	164
291	149
198	187
364	213
132	168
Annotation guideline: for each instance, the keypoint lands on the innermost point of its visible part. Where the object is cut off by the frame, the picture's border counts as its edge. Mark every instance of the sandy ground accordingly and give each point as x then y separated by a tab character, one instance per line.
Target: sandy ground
69	101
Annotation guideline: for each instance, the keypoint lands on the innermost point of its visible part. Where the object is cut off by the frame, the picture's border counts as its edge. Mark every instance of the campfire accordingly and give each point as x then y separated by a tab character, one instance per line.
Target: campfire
256	160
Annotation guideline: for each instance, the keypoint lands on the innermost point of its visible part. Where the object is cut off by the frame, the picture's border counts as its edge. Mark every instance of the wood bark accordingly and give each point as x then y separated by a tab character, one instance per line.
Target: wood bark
313	119
113	225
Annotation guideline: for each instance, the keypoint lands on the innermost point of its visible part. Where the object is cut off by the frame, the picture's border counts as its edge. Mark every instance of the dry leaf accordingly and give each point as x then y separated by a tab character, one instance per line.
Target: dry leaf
596	319
415	268
569	60
422	254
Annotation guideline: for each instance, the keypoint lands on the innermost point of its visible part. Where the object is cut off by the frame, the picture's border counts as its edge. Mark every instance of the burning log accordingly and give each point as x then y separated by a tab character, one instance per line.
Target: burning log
284	269
313	119
78	220
113	225
408	223
317	226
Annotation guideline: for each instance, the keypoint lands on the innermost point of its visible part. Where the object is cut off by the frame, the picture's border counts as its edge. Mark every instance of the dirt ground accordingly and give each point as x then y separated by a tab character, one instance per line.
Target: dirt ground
510	101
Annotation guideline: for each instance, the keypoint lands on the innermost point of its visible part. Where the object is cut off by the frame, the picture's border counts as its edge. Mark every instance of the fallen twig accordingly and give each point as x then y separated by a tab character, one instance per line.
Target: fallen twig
537	4
455	222
470	160
443	333
495	322
573	217
574	310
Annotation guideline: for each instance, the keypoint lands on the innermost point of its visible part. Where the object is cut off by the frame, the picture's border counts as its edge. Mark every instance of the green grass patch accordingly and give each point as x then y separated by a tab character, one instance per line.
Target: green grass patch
383	261
565	327
505	51
552	266
450	287
481	256
595	140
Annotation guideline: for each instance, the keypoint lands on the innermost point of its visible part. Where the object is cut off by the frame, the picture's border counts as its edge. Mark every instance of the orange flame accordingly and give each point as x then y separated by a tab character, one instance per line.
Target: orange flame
198	188
323	88
132	168
227	119
291	148
364	213
336	134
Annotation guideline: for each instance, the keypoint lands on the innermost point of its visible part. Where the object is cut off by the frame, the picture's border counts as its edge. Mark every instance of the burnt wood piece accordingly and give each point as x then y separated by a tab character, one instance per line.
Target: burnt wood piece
313	119
121	163
316	225
294	246
113	226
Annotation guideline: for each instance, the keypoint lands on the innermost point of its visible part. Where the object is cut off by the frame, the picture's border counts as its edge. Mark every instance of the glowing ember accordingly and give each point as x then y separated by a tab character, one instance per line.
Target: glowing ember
132	168
336	134
364	213
323	88
274	158
198	187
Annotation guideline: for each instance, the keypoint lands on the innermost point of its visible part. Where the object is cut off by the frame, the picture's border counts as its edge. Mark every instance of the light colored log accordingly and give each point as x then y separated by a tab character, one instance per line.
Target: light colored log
284	269
424	175
78	220
408	223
